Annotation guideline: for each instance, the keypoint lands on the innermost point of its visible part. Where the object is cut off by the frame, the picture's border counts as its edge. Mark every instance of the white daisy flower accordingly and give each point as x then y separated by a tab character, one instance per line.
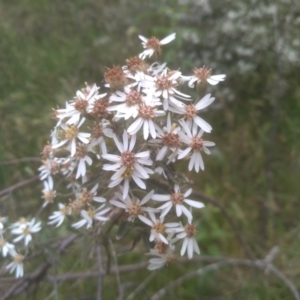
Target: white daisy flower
16	265
169	139
48	193
147	111
165	86
91	214
70	135
158	227
195	145
135	207
164	253
50	167
6	247
82	159
58	217
201	75
25	230
153	45
86	197
128	165
177	199
22	222
74	109
99	131
189	244
190	112
129	100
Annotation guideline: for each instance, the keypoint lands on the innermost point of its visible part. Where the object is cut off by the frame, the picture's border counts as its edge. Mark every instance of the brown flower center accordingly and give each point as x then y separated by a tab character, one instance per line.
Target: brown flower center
161	247
197	143
135	209
133	98
80	105
135	64
202	73
159	227
154	43
70	133
97	131
99	109
177	198
163	82
171	140
81	151
146	112
18	258
190	111
190	230
116	78
86	197
128	159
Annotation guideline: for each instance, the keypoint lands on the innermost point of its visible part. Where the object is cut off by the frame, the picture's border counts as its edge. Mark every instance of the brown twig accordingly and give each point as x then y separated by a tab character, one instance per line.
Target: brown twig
265	264
38	275
20	160
18	185
100	272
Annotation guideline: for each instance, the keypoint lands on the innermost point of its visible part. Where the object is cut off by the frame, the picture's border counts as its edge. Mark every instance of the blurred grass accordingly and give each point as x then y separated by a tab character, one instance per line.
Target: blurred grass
48	49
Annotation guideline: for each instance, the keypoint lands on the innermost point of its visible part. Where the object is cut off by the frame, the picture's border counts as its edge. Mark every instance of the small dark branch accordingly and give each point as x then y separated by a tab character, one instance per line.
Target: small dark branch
100	273
141	286
22	284
91	274
263	265
231	222
19	185
38	275
20	160
116	265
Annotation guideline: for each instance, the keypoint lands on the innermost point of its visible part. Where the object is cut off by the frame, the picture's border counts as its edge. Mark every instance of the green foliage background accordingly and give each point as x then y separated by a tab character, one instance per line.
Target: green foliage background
48	49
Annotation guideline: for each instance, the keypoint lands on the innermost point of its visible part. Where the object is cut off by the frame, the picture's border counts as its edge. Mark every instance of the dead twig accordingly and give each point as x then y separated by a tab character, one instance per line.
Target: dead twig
263	265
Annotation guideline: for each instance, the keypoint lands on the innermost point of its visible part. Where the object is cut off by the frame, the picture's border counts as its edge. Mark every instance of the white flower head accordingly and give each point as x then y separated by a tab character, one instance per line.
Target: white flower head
128	165
147	111
165	86
25	230
190	112
169	139
134	207
193	138
153	45
158	228
58	217
6	247
189	244
70	135
86	197
16	265
201	76
178	200
48	193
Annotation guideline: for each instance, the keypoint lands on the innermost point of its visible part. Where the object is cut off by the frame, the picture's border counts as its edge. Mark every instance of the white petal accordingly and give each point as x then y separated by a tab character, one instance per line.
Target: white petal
183	247
168	39
204	102
202	124
194	203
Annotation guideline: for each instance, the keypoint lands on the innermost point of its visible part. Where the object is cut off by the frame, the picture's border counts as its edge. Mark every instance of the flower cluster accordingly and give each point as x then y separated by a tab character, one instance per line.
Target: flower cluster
110	149
23	230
